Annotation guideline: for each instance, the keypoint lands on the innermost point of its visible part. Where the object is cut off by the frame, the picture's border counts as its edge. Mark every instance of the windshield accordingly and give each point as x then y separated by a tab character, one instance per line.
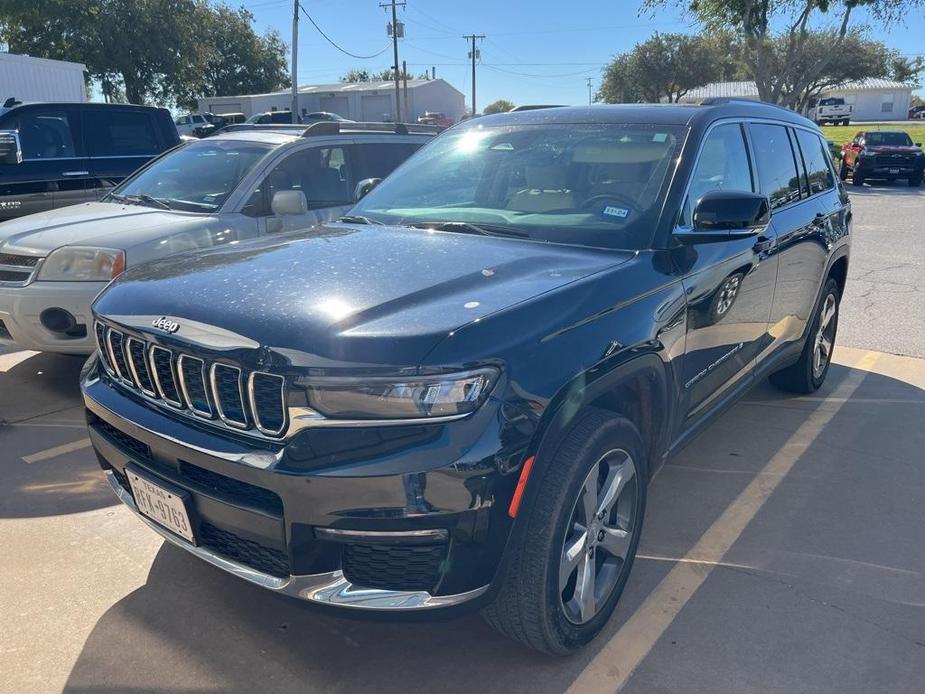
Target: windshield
198	177
889	139
595	185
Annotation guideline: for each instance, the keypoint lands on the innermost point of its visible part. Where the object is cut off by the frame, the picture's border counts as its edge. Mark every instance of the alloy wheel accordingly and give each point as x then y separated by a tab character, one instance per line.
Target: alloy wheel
599	536
825	336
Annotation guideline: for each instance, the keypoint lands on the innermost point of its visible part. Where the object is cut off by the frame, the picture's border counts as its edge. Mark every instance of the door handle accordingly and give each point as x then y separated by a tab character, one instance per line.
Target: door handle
763	244
75	173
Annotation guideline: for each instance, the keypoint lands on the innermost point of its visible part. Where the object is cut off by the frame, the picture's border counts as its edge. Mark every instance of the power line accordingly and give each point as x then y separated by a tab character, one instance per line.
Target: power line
332	42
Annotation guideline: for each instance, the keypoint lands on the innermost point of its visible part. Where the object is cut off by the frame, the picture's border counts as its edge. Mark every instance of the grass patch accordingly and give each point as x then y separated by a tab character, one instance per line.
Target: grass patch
839	134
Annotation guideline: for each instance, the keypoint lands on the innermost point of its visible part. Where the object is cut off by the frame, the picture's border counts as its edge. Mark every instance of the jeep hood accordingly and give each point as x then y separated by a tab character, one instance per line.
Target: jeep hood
103	224
347	294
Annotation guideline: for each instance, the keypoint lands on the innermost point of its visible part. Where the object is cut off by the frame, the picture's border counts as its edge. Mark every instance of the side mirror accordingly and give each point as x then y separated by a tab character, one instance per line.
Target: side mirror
289	202
731	210
918	144
10	148
363	187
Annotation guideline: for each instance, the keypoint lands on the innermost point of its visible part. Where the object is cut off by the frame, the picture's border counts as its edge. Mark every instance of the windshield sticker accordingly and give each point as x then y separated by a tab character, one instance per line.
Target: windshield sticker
620	212
659	137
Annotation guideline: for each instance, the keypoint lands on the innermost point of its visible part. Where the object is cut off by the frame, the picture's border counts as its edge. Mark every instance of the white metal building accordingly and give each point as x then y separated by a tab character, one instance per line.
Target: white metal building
40	79
872	99
360	101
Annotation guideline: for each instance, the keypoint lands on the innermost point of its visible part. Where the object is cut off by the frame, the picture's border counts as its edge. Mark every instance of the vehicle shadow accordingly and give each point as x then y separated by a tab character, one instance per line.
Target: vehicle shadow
874	188
40	410
192	626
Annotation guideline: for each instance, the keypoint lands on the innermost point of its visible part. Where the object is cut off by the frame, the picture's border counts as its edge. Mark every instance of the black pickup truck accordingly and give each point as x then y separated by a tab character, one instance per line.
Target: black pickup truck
456	395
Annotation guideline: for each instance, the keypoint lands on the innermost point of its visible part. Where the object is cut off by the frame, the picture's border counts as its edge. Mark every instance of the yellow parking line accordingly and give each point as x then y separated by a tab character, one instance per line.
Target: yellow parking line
613	665
56	451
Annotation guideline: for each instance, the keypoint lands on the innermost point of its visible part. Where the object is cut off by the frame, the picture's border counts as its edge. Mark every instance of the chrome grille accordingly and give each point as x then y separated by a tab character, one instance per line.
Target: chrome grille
229	396
213	391
17	269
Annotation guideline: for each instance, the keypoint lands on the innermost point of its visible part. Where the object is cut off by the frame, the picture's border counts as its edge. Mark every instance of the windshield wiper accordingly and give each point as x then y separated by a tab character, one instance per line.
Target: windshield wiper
148	200
470	228
359	219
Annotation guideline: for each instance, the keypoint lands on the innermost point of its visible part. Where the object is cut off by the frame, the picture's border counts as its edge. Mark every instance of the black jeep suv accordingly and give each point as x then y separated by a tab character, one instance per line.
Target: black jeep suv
458	393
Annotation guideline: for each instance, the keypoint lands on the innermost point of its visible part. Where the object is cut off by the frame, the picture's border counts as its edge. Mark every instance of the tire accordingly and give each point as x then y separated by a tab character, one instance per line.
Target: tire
843	170
857	178
535	605
808	374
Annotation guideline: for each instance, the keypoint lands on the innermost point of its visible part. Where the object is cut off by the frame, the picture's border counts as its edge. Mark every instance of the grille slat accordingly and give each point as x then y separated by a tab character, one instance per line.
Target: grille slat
18	260
214	391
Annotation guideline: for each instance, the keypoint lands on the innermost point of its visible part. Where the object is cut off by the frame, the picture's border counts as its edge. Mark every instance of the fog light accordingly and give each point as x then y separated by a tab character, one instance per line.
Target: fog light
58	320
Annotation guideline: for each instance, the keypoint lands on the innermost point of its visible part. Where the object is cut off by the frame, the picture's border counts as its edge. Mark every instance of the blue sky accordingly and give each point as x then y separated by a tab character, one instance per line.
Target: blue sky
535	51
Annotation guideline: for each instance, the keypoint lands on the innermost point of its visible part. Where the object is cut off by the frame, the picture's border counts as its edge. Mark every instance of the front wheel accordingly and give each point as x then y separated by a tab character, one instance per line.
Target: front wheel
808	374
857	178
572	556
843	170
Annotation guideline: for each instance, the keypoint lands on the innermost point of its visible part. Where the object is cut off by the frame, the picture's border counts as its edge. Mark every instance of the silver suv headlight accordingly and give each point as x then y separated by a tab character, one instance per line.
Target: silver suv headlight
82	264
417	397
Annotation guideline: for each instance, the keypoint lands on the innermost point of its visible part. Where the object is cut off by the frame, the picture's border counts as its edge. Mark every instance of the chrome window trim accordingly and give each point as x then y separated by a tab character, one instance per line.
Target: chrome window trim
112	356
251	395
205	385
152	366
131	365
218	400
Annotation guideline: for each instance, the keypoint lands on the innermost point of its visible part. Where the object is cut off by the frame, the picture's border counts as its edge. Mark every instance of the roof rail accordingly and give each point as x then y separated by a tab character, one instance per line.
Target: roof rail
719	100
335	127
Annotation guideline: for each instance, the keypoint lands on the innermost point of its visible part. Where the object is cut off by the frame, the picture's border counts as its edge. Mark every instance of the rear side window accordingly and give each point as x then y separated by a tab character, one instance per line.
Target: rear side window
777	170
721	165
121	133
379	159
46	134
815	157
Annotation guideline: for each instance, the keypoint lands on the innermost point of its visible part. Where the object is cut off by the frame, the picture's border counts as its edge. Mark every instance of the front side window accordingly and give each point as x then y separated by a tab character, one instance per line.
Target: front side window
777	171
321	173
45	134
815	157
197	177
587	184
721	165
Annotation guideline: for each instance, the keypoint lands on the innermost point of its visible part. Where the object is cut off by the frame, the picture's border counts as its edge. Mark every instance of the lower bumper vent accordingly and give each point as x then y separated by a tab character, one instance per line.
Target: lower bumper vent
394	567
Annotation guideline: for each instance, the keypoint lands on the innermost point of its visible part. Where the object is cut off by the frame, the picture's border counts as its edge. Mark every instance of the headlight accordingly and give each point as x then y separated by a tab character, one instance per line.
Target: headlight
82	264
417	397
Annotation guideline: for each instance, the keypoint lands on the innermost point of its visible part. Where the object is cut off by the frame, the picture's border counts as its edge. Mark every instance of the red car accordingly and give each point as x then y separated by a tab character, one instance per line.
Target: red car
435	118
882	154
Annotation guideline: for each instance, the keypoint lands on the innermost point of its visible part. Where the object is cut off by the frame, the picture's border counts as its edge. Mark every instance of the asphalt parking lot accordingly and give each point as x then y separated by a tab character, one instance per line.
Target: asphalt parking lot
782	551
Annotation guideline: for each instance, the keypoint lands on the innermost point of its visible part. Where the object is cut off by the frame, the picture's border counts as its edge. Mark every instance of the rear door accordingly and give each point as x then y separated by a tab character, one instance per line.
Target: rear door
119	141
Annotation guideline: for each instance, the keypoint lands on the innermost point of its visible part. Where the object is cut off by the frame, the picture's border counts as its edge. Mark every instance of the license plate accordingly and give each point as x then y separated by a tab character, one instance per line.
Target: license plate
163	504
894	171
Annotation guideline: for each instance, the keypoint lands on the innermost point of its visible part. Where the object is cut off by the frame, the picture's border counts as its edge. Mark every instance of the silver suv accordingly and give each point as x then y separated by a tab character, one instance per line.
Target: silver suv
245	182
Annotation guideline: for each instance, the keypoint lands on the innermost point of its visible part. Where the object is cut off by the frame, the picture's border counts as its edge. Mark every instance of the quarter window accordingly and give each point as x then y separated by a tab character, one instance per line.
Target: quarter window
777	171
121	133
722	165
45	134
815	157
379	159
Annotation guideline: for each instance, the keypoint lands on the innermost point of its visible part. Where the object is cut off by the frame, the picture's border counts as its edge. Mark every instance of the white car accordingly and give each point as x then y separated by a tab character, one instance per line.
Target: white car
252	182
186	125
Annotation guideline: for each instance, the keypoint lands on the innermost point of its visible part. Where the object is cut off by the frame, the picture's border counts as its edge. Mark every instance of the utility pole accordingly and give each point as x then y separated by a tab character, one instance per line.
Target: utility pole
396	31
590	92
473	54
295	61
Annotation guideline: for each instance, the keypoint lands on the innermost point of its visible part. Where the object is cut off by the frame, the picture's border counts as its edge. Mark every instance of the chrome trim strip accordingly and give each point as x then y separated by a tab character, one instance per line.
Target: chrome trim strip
134	368
436	533
305	418
152	365
102	348
112	355
218	400
183	388
282	403
328	588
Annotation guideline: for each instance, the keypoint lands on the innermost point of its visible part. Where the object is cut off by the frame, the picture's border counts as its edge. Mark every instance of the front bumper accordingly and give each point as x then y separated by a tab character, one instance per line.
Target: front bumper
875	169
384	531
20	308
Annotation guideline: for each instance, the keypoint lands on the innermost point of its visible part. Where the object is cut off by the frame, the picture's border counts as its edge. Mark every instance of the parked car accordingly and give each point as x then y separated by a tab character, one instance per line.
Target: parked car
917	112
435	118
831	110
279	117
882	154
457	395
323	115
194	124
54	155
214	192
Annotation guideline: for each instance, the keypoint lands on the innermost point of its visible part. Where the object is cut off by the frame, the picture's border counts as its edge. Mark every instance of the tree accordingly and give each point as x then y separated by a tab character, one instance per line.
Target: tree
148	50
499	106
665	66
387	75
903	69
356	75
764	54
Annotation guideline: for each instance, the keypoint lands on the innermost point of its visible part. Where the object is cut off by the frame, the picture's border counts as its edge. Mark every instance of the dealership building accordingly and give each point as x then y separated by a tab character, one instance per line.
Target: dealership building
871	99
360	101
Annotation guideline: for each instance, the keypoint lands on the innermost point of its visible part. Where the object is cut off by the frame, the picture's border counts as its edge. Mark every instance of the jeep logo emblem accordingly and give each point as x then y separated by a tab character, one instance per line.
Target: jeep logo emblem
165	324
